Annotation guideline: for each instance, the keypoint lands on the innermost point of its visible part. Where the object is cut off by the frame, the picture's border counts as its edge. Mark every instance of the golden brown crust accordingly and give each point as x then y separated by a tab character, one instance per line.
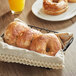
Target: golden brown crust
55	8
72	1
47	44
19	34
25	38
12	31
22	36
55	13
64	36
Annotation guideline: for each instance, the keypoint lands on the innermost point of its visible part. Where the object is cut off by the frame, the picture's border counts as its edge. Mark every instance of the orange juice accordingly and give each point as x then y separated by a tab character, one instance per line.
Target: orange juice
16	5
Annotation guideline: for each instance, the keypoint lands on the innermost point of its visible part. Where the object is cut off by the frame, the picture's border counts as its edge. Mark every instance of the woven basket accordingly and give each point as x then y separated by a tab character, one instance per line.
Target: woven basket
13	54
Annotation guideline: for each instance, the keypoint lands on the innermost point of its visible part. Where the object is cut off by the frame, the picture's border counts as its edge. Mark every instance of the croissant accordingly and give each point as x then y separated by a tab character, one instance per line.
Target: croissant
20	35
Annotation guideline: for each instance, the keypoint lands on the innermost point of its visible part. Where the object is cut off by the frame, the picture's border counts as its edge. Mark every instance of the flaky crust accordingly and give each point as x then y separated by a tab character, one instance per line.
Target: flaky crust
55	8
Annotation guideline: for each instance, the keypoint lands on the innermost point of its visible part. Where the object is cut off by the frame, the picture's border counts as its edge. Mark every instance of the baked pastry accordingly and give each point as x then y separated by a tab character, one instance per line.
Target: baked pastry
64	38
13	30
72	1
20	35
47	44
25	38
55	7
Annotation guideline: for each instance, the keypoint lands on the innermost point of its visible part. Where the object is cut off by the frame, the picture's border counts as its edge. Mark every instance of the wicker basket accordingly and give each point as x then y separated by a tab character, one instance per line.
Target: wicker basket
13	54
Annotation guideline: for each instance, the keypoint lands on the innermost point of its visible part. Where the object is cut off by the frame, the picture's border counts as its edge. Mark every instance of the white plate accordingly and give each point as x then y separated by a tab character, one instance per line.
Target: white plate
37	6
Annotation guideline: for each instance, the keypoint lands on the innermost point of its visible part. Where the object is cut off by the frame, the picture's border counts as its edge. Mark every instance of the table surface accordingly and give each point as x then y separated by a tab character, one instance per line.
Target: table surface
13	69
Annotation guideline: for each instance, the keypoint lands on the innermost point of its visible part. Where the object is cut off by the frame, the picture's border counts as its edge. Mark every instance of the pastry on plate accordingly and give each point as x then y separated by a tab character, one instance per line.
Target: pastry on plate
55	7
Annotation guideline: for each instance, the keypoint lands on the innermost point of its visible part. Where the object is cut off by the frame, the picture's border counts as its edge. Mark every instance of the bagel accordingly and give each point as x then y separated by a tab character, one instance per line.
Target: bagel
55	7
12	31
46	44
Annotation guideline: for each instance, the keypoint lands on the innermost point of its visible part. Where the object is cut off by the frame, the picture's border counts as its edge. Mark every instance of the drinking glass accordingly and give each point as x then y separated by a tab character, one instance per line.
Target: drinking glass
16	6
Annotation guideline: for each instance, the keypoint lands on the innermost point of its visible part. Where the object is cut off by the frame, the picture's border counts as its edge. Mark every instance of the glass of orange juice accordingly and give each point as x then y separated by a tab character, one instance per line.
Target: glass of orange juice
16	6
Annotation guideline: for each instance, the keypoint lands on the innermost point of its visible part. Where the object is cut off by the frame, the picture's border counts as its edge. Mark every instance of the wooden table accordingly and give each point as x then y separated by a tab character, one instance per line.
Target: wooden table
13	69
